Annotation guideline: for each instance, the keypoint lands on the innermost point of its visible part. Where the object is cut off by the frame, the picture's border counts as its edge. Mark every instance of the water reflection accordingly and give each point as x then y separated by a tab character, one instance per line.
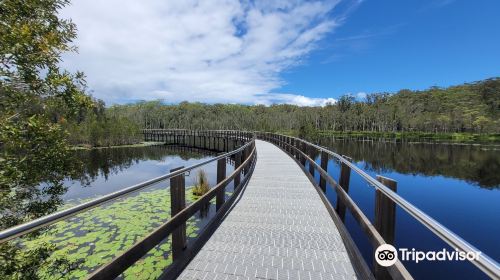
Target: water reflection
476	165
457	185
107	170
72	248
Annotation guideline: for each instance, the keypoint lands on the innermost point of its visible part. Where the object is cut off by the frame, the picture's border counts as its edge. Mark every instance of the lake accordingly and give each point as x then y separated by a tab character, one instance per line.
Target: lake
458	185
111	169
92	238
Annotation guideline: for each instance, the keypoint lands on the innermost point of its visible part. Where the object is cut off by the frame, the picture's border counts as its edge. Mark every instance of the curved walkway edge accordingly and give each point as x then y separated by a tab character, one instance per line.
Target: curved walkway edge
279	229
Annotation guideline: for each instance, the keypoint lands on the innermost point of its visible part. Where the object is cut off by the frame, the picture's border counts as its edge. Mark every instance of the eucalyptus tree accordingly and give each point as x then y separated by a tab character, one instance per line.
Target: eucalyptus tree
33	148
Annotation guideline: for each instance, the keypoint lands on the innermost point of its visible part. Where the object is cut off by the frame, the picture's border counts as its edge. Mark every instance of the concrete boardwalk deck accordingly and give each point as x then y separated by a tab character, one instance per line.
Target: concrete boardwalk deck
279	229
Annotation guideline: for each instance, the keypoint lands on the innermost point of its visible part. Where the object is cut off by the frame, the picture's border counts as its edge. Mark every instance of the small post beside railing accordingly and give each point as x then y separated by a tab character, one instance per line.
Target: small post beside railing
178	202
385	210
324	166
221	175
302	146
385	221
310	150
237	163
345	176
244	154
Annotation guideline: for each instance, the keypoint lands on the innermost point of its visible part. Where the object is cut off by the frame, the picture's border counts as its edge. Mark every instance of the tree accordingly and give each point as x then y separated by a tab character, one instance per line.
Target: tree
33	145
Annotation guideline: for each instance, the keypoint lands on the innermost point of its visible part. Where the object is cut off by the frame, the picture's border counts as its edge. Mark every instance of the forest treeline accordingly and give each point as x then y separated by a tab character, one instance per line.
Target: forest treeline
96	127
467	108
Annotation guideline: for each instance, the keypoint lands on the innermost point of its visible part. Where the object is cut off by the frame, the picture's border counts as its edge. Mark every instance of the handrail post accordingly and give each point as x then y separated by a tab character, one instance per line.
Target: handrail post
247	153
302	146
385	210
178	198
218	141
385	221
243	157
237	163
311	155
204	140
324	166
345	176
289	141
221	175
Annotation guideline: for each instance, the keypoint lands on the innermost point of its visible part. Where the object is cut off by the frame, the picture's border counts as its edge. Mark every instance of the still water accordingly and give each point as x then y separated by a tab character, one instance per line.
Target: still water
457	185
108	170
92	238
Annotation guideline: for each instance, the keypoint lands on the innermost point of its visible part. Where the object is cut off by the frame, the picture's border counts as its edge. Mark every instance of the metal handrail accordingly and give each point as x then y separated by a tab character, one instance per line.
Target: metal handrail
483	262
47	220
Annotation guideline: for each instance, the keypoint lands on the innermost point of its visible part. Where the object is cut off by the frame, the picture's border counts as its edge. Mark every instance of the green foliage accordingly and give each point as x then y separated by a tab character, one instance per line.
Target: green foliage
33	147
34	154
307	131
468	108
99	128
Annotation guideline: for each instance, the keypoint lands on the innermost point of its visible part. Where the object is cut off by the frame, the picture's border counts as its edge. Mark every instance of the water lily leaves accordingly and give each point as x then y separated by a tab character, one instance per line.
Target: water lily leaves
91	239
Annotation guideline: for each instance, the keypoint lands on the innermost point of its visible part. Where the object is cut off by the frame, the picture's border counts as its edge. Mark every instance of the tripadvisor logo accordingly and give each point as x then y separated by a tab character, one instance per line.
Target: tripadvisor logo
387	255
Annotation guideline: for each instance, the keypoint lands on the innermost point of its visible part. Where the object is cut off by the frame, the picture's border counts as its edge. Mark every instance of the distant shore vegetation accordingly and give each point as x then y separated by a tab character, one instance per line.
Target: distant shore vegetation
468	112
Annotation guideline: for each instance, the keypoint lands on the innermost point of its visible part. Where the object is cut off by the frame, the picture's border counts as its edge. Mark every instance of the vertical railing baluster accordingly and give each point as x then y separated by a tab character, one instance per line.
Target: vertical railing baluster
311	155
178	202
345	176
303	149
324	166
237	163
385	221
221	175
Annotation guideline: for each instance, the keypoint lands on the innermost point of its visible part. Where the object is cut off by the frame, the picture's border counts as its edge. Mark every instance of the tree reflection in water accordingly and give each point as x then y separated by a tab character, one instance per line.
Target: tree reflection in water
475	164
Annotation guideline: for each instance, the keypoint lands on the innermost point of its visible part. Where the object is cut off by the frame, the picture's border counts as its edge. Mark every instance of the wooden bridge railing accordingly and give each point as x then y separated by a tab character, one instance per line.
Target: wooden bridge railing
386	199
215	140
244	156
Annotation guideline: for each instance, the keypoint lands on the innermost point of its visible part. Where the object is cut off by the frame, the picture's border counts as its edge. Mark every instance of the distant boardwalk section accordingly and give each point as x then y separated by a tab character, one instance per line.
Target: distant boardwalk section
279	229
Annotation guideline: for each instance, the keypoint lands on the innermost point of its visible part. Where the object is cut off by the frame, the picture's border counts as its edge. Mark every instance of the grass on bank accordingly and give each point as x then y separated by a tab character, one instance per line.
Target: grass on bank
141	144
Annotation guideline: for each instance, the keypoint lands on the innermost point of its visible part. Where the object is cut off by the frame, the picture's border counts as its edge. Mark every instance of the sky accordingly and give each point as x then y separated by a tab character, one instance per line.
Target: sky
307	53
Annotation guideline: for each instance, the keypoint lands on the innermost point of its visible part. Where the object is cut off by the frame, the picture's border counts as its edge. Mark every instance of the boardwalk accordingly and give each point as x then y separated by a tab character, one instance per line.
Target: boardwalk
279	229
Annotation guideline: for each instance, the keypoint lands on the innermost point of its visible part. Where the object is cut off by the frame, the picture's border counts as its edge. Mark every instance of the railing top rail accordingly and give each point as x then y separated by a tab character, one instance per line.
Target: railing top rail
33	225
483	262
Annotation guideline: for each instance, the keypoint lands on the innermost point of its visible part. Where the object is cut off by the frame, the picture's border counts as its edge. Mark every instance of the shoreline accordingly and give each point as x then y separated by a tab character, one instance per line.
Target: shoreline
137	145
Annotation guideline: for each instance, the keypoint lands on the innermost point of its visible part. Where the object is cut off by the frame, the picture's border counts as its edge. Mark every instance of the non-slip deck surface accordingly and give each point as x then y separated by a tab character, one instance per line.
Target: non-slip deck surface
279	229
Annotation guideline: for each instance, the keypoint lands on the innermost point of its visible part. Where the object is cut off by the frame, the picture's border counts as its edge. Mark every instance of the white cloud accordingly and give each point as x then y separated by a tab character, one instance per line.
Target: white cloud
294	99
361	95
209	51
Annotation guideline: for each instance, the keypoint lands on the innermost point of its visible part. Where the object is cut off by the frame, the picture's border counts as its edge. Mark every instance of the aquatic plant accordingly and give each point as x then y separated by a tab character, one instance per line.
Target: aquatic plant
202	186
93	238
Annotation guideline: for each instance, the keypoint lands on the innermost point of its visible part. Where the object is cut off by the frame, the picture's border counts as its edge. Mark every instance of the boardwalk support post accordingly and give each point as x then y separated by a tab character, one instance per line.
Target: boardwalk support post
221	175
324	166
345	176
311	155
237	163
385	210
178	197
385	221
302	146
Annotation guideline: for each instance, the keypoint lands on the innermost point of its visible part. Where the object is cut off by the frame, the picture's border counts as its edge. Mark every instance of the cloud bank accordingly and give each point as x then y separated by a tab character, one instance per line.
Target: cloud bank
209	51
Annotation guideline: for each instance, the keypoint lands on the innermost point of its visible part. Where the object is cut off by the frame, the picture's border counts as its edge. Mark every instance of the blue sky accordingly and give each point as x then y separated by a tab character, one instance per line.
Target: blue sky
304	52
391	45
